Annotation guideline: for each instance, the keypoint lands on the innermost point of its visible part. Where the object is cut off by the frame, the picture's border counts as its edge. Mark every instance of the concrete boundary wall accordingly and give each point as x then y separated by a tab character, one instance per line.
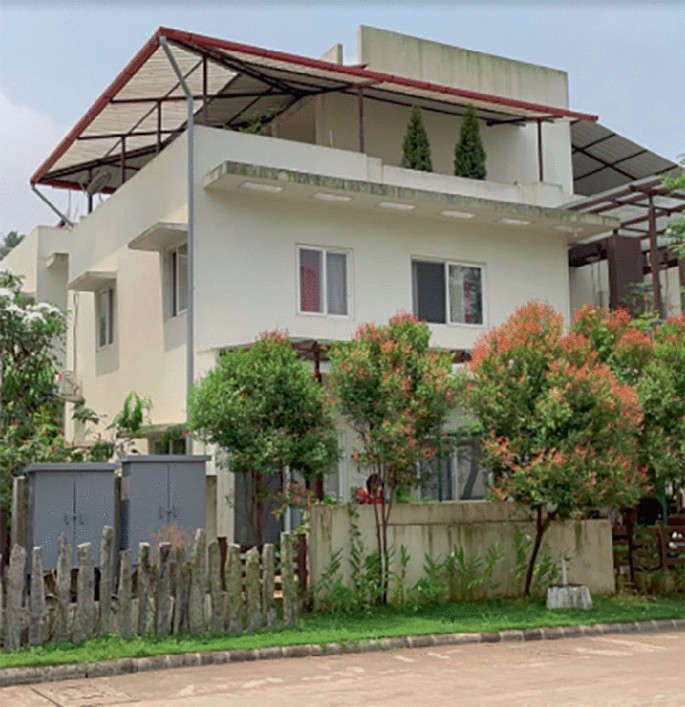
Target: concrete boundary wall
436	529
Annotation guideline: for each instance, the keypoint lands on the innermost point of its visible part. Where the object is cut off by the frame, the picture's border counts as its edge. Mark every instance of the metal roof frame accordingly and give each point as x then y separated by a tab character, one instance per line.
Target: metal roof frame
144	108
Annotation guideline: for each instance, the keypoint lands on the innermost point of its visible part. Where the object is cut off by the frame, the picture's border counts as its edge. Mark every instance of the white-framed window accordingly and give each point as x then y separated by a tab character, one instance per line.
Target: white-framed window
105	317
323	281
178	279
448	292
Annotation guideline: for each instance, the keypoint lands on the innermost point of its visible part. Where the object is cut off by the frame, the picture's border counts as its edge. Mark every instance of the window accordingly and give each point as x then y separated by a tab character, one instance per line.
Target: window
448	293
178	280
105	317
323	281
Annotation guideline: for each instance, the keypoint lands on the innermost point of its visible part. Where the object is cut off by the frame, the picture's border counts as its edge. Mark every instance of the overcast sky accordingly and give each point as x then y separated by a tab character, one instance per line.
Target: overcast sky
624	59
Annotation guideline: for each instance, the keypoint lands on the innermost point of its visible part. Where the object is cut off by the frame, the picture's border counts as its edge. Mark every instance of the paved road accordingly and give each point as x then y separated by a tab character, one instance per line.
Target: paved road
602	670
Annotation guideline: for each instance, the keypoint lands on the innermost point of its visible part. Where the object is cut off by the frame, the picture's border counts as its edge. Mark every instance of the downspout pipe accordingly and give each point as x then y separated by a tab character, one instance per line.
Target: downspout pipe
190	315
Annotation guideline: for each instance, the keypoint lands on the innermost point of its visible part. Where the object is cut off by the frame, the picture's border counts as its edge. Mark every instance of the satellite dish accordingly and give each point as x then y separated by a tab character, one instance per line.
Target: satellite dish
99	181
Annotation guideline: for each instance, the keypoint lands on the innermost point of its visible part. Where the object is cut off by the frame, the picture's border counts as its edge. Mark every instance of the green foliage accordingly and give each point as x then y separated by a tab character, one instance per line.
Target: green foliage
469	154
265	409
546	570
395	394
10	240
416	151
30	409
662	395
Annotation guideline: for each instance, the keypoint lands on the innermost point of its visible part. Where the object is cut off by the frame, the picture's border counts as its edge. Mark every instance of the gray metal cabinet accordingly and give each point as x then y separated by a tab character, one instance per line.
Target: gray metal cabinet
158	492
76	500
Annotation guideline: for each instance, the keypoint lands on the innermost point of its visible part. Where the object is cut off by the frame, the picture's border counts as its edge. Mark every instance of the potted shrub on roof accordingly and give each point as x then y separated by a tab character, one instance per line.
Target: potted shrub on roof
416	151
469	154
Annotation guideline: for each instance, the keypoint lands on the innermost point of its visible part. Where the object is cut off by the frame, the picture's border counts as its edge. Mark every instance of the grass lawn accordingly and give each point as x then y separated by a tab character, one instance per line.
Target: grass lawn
322	629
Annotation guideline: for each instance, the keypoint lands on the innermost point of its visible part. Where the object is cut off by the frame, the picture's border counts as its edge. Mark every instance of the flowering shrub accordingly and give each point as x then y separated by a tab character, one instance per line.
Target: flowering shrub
395	393
559	429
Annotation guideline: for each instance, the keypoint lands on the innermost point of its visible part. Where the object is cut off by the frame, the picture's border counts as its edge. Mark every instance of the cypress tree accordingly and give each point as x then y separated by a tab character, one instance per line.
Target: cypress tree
416	151
469	155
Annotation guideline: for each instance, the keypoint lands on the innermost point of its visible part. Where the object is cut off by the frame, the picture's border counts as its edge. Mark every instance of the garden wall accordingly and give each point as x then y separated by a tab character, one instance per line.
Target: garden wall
436	529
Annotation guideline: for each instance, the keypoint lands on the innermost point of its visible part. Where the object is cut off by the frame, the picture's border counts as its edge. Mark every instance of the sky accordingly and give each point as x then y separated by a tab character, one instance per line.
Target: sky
624	60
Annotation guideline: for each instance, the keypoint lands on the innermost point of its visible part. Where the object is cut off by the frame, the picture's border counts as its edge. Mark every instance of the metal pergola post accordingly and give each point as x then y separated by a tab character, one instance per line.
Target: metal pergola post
190	321
654	259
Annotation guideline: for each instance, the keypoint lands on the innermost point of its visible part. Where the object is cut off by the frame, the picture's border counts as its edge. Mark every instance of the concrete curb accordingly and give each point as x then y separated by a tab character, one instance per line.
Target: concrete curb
110	668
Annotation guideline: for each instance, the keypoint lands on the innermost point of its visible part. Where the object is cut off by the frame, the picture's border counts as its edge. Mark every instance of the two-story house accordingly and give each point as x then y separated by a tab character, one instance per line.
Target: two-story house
285	208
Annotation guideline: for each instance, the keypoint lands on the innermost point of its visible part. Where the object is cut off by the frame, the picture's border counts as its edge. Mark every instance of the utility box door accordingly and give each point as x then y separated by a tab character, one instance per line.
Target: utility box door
163	499
74	500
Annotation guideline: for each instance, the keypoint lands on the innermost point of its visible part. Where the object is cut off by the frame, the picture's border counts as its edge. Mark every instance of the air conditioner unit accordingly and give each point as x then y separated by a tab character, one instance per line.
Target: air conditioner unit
67	386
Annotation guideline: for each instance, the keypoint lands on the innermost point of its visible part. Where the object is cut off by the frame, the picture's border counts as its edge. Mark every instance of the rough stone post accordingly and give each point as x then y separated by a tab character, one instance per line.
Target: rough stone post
124	594
84	621
164	590
106	572
143	585
181	592
290	598
215	589
37	615
20	512
253	590
15	595
62	590
198	581
268	586
233	575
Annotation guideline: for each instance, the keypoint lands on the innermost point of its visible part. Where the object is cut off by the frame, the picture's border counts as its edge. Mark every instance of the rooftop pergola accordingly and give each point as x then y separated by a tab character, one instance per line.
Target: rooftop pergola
646	209
233	84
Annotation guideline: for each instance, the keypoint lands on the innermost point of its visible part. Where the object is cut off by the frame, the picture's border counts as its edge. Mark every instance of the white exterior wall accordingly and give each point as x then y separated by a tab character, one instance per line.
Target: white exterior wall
148	353
511	150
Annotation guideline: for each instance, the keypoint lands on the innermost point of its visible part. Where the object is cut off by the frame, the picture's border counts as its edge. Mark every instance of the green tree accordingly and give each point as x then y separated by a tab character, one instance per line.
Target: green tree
29	405
559	431
264	408
395	394
10	240
416	151
662	395
469	154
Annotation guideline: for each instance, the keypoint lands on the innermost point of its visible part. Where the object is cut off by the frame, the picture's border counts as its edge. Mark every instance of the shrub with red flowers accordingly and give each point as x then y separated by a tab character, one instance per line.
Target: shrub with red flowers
559	430
395	393
265	409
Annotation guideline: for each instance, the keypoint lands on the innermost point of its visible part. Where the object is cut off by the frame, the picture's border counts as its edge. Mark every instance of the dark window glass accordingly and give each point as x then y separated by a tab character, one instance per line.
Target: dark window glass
429	291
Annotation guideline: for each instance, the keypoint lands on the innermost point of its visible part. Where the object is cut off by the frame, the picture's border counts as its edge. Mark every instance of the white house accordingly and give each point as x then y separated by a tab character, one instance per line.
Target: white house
312	226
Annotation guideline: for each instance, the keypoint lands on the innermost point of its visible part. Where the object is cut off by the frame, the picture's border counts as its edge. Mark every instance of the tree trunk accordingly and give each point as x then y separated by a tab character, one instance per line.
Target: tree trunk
540	528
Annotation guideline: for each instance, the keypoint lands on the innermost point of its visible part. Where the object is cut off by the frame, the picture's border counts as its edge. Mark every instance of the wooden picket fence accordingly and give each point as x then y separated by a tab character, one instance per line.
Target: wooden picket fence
211	592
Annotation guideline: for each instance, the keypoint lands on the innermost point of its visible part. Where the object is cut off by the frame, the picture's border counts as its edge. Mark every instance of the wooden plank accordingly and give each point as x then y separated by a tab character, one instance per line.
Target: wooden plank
181	580
124	595
218	602
198	581
106	572
84	623
143	585
38	620
234	588
62	591
268	585
290	598
15	598
20	512
163	593
253	590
